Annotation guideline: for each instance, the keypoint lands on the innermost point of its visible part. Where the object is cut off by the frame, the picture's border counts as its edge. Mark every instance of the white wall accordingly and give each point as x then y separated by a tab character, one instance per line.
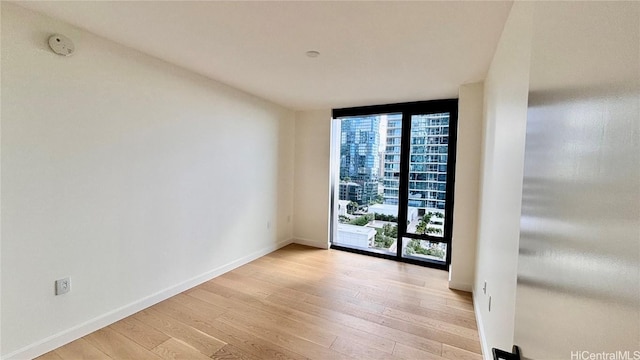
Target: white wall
505	103
311	184
465	211
135	178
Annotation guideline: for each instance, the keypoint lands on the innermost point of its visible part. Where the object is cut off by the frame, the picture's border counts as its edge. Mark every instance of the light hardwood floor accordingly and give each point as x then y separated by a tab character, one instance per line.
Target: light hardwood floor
299	303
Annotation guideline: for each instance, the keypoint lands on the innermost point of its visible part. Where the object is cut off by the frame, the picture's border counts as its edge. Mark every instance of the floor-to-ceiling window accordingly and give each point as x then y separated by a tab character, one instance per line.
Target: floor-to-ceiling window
393	173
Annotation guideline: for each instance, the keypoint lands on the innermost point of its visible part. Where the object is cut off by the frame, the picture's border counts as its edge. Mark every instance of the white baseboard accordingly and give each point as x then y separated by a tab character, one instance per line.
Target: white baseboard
460	286
55	341
486	352
312	243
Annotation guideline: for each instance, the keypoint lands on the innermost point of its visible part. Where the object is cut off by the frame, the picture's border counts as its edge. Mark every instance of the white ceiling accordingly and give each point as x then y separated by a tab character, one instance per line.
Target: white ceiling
371	52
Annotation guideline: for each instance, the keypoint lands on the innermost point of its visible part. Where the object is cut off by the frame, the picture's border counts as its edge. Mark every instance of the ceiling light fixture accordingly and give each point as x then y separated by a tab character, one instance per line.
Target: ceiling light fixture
313	53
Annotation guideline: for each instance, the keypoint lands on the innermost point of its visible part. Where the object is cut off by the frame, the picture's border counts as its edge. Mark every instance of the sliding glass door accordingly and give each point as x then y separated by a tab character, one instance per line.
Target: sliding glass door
393	180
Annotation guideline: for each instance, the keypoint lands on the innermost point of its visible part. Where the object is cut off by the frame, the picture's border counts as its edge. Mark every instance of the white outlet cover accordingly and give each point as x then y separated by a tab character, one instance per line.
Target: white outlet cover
63	286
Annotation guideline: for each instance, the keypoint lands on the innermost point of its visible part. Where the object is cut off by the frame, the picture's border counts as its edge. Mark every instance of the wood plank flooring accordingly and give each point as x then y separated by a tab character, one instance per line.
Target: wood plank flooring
299	303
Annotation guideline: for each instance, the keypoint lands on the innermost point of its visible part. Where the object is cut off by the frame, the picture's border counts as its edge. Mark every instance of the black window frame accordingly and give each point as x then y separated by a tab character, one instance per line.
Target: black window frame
408	110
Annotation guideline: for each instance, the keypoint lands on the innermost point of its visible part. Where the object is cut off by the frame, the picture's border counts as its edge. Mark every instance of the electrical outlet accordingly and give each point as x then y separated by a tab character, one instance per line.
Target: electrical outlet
268	225
63	286
489	303
484	288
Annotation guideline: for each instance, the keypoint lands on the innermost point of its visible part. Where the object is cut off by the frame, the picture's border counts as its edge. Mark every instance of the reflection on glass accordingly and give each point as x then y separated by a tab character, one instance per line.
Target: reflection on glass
369	182
428	174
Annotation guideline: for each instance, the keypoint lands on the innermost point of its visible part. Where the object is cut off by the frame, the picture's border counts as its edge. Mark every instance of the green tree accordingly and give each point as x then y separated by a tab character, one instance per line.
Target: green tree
423	224
432	230
390	230
384	217
383	241
378	199
352	207
361	220
412	247
415	247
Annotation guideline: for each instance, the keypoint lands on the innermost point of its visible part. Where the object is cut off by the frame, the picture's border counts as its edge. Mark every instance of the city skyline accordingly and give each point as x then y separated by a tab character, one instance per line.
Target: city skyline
370	149
368	191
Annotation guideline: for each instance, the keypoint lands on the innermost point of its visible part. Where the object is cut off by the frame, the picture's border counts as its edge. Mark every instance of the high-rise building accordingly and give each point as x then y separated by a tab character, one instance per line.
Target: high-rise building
427	160
350	191
391	180
359	154
359	142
